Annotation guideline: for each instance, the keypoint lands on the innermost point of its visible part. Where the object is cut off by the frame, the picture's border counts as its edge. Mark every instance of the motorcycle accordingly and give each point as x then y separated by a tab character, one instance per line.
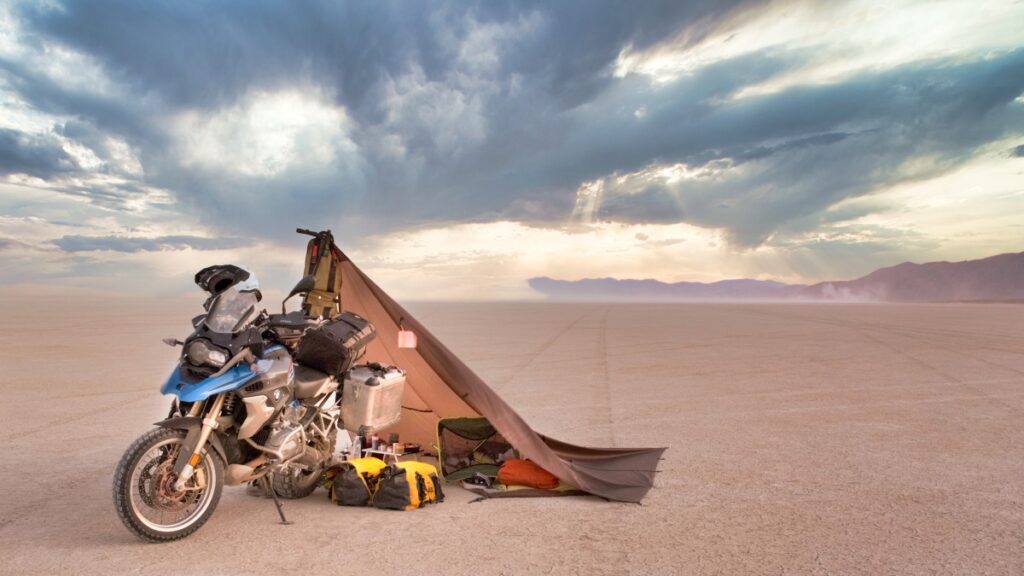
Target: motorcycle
243	413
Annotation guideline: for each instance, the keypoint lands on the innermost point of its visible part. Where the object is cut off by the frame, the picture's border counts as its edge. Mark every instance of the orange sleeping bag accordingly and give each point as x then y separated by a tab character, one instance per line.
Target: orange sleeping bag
526	473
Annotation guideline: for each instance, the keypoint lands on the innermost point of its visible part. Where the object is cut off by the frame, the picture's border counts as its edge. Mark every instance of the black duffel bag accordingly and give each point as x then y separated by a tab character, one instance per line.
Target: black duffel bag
333	346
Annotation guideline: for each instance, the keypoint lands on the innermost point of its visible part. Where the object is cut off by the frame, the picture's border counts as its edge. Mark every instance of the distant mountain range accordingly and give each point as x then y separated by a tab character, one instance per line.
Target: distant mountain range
995	278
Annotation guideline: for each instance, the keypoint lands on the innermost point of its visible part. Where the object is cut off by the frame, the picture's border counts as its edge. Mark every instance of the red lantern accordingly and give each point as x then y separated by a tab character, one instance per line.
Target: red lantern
406	339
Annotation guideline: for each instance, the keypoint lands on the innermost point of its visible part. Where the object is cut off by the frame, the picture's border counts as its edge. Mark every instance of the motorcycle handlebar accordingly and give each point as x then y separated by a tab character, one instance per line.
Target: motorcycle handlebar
306	232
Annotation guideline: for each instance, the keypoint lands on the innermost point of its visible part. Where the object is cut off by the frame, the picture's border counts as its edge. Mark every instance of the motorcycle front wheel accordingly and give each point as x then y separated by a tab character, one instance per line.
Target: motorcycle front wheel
144	493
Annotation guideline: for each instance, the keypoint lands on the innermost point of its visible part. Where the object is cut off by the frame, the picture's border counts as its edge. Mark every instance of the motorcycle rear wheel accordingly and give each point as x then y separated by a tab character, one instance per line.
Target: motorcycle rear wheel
295	483
144	495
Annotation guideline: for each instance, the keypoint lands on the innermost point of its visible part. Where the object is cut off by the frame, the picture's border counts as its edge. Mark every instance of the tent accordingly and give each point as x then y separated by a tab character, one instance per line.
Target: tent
439	385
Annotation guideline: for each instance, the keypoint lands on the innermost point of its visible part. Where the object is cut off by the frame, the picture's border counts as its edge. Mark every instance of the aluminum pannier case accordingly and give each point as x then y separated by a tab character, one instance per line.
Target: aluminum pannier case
371	399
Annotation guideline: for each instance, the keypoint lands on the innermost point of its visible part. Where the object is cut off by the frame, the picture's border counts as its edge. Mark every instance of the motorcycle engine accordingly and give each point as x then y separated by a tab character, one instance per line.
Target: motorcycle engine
287	436
288	440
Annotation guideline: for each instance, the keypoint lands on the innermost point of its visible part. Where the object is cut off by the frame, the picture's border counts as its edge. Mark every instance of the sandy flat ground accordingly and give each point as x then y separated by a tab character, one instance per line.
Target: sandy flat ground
804	439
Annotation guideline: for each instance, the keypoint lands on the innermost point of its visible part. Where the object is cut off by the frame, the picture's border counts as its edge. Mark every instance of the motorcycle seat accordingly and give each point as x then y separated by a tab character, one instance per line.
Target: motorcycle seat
308	381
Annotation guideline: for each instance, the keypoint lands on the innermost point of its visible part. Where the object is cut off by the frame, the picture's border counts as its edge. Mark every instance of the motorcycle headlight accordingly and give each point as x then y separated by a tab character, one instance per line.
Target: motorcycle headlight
217	358
201	353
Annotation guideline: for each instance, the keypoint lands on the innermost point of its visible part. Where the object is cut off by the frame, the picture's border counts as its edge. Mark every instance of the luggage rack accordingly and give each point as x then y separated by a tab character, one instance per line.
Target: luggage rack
394	456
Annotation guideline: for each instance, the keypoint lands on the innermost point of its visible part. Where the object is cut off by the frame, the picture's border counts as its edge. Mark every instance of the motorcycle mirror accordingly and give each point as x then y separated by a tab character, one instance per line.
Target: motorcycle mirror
304	286
172	342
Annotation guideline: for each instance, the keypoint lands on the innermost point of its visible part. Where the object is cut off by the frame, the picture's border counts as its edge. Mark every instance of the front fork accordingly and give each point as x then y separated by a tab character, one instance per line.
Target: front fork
209	425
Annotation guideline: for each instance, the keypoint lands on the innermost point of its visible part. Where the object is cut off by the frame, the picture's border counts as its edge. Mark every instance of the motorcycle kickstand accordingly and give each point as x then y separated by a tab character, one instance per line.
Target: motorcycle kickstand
268	482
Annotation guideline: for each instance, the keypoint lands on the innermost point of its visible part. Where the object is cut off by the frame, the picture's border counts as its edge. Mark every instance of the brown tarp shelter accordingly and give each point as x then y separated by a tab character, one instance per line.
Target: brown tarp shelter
439	385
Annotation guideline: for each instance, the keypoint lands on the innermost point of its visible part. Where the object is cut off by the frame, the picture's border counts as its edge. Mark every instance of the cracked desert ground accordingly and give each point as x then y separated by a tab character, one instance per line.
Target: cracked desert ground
803	439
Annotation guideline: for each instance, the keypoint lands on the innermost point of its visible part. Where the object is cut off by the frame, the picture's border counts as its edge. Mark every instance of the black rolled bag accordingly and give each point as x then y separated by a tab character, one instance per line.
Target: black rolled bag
407	486
335	345
353	483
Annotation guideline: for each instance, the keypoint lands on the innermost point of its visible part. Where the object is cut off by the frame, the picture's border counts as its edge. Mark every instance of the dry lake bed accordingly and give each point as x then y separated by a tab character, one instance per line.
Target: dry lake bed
803	439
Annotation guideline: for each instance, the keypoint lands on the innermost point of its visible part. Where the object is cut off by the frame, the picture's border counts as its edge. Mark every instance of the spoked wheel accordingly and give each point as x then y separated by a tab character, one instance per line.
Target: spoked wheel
144	492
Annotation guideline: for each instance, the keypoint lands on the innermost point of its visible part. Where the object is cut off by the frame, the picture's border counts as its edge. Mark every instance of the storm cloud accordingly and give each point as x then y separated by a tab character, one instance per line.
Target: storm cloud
35	155
783	157
430	113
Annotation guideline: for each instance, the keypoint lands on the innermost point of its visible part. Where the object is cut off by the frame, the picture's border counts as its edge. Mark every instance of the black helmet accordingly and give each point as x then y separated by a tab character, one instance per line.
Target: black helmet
218	278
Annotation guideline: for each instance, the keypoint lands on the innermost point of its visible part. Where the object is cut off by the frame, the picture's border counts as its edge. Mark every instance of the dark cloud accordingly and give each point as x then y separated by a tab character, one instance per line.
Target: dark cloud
485	110
88	136
208	55
36	155
76	243
1018	151
172	57
838	142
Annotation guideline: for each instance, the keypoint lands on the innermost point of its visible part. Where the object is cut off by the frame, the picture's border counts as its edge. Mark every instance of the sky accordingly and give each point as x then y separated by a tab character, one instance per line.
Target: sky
457	149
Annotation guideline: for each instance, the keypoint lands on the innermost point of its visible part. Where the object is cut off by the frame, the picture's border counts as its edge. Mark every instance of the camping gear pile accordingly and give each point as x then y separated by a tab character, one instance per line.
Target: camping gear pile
440	386
372	482
473	452
434	399
371	394
471	446
470	450
416	387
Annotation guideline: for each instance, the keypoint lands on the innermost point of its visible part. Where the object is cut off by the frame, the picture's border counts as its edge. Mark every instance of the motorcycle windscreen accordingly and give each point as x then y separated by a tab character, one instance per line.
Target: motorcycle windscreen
232	310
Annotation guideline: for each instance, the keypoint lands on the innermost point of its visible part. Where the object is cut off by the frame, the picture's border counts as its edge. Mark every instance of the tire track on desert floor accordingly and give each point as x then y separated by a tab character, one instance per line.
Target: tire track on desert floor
913	333
898	331
965	384
602	378
832	391
62	421
865	329
909	334
531	357
597	413
28	507
714	415
947	348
